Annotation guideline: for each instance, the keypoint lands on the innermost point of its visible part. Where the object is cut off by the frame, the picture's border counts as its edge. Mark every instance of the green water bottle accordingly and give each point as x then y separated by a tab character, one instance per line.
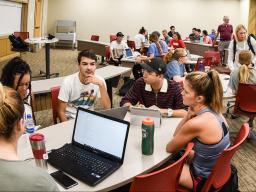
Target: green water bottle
147	143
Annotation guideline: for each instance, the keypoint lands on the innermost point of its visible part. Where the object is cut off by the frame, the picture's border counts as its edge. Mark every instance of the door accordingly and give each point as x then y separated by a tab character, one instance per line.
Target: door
38	18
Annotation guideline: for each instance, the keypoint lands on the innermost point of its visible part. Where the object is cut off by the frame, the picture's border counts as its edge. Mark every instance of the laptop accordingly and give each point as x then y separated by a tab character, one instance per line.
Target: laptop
97	148
128	53
138	114
118	112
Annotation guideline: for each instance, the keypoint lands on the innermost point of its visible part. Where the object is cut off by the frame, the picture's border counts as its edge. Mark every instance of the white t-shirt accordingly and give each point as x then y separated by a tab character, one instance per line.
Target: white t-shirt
139	38
75	94
240	45
118	48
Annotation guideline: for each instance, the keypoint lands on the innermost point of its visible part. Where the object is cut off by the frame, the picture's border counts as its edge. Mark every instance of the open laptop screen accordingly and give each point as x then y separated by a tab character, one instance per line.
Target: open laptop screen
99	132
128	52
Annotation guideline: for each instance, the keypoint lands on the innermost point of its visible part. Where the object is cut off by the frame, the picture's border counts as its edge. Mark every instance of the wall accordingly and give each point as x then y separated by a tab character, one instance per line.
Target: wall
31	16
105	17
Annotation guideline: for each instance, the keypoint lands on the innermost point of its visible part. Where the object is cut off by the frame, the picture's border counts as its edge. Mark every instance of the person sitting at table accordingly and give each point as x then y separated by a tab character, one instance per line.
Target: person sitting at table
196	37
17	75
176	41
140	40
191	35
246	73
17	175
167	38
206	38
175	68
204	125
82	88
154	90
117	49
157	48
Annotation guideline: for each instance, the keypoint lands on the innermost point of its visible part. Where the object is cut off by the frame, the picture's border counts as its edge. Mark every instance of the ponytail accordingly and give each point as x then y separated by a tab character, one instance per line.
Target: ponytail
245	58
11	110
209	86
142	30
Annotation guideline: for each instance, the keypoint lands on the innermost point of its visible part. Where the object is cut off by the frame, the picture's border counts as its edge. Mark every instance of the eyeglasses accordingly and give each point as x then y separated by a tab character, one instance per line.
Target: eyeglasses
184	55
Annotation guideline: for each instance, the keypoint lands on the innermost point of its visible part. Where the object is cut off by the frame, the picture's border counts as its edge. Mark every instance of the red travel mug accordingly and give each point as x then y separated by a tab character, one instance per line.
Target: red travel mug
38	147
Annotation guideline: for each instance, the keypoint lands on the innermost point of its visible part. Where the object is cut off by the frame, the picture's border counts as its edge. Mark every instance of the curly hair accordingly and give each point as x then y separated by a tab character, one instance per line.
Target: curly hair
15	66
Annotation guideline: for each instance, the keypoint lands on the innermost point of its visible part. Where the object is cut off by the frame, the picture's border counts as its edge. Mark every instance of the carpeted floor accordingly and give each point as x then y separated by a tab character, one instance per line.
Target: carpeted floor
65	62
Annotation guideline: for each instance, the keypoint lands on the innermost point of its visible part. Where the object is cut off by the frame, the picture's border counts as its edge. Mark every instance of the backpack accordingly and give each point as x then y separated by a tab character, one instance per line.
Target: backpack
249	44
17	42
126	86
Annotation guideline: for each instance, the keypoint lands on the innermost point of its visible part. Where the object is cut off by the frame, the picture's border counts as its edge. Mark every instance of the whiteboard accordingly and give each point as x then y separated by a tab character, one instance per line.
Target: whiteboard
10	17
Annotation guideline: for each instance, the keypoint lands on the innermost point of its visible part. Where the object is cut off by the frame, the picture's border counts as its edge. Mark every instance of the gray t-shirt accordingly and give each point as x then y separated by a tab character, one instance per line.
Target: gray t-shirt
22	176
234	80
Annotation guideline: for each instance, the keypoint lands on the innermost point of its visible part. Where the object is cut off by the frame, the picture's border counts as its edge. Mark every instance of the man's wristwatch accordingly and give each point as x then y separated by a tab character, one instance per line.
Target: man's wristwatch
169	112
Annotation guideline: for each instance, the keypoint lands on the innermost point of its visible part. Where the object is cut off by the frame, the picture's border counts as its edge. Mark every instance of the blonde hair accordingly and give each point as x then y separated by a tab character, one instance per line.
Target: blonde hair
154	38
179	52
207	85
239	27
11	110
245	58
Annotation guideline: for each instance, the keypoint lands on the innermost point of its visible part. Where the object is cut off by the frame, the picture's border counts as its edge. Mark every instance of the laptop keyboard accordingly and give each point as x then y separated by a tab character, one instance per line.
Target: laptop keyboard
83	159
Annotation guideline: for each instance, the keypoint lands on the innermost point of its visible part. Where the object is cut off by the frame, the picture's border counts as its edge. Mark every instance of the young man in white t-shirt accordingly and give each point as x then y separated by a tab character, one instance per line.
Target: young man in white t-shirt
82	88
117	49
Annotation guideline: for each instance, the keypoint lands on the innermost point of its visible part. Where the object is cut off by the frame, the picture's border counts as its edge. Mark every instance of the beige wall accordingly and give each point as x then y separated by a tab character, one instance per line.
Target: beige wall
105	17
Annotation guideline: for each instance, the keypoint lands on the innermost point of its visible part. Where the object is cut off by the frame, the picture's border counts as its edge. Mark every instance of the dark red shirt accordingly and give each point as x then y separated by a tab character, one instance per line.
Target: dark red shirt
168	97
225	32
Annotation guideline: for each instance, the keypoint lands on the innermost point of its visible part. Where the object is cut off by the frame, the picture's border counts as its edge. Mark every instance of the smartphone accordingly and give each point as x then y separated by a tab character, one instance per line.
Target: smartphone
63	179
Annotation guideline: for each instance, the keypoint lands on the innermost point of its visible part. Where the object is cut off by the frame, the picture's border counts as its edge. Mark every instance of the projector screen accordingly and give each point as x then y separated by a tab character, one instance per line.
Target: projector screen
10	14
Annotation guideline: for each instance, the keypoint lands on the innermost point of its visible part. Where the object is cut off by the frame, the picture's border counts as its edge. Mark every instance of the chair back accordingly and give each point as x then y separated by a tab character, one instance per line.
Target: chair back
222	169
22	35
107	54
165	179
95	37
212	57
112	38
245	99
131	44
54	96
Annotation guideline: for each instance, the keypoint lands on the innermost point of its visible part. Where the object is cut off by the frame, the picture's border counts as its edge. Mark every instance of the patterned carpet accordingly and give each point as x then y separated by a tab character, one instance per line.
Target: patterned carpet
65	62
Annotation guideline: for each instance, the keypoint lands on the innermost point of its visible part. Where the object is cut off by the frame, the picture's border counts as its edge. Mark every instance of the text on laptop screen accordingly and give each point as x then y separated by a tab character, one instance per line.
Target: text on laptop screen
128	52
100	133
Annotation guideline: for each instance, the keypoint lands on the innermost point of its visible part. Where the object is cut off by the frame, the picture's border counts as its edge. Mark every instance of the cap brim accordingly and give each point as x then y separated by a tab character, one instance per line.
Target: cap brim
147	67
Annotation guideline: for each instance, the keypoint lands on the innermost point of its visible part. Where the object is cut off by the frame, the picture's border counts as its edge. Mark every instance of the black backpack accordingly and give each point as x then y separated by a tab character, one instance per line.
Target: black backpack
249	44
17	42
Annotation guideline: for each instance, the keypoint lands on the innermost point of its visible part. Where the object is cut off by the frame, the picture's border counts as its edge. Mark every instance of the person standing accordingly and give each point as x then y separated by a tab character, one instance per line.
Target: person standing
225	31
140	39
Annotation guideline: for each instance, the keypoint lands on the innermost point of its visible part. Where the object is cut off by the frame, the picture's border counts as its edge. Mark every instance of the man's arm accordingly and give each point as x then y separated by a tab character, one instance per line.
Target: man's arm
105	101
131	97
61	110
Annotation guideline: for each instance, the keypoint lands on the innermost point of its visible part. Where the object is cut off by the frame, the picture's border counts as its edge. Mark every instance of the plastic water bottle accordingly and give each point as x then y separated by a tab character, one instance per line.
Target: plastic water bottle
201	39
30	126
148	129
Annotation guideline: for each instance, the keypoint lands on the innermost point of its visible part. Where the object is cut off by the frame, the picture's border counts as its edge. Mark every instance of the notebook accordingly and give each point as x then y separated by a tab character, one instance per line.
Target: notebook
97	148
118	112
138	114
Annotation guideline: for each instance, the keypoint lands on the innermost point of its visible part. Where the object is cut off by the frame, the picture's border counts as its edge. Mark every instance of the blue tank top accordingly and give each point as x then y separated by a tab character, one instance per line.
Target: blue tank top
207	154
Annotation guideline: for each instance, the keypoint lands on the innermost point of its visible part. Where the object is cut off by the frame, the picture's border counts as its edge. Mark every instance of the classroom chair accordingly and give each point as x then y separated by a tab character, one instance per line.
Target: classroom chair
112	38
54	97
165	179
222	169
131	44
95	37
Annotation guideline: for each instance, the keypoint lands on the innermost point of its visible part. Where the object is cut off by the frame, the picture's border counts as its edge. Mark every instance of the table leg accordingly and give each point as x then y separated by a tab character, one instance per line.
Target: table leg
47	60
109	90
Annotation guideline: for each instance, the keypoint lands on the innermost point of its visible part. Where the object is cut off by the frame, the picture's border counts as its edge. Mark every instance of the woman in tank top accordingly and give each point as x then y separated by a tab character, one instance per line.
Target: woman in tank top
204	125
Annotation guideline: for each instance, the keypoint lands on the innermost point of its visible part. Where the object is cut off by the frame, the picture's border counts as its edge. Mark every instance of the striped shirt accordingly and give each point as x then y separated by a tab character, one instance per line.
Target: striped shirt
168	97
